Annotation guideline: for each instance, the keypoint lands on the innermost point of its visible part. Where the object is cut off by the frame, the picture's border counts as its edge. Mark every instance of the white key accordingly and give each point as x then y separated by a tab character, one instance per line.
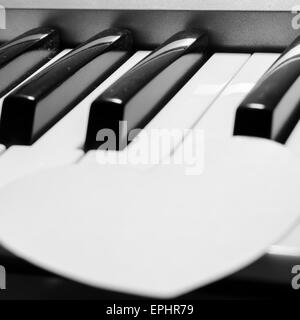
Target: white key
290	245
58	56
184	110
293	142
69	133
2	148
19	161
61	145
218	122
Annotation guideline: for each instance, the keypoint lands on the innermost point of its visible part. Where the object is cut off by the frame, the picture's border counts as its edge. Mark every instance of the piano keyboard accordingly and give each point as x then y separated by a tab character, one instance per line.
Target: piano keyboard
55	99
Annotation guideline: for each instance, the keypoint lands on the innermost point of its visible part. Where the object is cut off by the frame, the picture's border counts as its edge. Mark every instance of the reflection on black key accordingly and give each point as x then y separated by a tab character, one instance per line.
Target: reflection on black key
272	108
33	108
137	96
25	54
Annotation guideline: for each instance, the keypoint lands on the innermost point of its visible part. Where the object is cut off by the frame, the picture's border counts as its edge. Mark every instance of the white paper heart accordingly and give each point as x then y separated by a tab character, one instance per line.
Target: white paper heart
157	232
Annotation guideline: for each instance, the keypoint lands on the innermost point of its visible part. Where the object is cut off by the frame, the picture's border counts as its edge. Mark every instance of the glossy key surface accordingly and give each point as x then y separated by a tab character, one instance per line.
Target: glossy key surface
34	107
272	108
23	55
143	91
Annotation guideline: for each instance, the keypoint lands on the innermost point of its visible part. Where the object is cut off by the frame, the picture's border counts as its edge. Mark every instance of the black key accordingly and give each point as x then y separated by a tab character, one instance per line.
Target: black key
38	104
24	55
138	95
272	108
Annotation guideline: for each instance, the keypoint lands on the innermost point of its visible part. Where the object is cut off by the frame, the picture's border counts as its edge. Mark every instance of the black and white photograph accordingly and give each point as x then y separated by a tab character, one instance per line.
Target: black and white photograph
149	153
